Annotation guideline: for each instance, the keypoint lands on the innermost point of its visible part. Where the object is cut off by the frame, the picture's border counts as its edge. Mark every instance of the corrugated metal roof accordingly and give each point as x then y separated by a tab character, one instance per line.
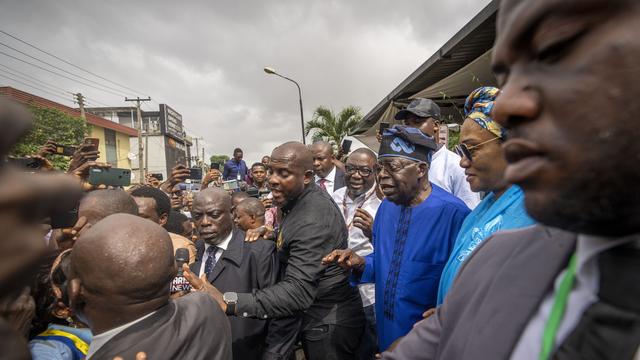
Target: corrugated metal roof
30	99
473	40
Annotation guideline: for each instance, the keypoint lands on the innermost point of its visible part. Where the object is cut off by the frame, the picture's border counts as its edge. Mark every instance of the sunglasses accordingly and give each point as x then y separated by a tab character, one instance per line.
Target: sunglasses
466	151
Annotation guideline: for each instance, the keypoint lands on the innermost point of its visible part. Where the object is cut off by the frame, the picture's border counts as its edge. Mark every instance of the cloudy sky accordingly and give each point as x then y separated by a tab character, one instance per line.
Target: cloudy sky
205	58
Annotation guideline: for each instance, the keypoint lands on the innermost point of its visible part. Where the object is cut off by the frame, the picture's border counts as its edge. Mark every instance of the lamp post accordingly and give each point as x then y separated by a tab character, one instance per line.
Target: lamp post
271	71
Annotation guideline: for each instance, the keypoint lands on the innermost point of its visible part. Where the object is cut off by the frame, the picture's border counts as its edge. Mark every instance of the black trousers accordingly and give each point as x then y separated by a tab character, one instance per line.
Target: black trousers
331	342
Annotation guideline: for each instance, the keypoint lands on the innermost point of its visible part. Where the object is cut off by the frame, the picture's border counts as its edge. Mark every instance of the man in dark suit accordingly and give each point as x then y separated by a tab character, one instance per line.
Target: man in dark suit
567	289
327	175
121	270
319	295
233	265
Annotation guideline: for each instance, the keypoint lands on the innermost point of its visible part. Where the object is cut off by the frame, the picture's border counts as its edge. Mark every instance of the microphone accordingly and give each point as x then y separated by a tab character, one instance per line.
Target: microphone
179	282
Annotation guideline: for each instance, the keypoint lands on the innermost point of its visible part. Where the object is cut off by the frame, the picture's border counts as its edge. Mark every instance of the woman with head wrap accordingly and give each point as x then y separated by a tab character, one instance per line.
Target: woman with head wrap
484	163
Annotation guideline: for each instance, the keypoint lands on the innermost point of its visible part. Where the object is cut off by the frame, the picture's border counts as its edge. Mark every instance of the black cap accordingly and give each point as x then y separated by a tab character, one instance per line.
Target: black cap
420	107
407	142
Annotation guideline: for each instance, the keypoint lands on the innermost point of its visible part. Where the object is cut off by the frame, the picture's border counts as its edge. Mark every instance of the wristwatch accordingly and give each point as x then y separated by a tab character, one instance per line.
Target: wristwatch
231	299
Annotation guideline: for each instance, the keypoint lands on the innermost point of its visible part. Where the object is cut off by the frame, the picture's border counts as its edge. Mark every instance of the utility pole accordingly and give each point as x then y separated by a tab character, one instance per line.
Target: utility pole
146	150
80	101
196	157
201	165
140	147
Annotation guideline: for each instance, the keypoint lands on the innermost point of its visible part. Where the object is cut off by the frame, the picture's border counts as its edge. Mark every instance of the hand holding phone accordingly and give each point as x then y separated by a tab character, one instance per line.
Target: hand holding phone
109	177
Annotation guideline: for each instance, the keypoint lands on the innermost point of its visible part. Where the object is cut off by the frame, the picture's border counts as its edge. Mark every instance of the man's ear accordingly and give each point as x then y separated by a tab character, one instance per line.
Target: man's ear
74	287
423	170
163	219
308	177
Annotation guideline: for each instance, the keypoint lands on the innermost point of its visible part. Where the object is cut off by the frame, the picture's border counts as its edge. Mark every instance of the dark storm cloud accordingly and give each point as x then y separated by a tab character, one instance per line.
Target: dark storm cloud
205	59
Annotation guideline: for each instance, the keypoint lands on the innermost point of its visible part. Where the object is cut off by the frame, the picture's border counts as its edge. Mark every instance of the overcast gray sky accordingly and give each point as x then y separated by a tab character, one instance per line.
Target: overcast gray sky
205	58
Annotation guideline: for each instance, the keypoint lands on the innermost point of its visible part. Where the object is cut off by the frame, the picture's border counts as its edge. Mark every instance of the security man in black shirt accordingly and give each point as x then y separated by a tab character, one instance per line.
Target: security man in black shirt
327	308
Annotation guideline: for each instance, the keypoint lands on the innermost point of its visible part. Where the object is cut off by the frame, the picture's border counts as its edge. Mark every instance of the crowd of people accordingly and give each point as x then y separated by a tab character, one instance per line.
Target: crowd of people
520	244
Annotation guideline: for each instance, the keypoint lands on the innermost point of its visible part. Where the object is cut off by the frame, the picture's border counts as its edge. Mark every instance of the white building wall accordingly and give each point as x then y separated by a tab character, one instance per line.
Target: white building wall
157	158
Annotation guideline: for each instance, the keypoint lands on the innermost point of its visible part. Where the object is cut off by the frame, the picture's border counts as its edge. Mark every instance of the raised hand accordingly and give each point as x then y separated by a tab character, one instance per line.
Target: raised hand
346	259
49	148
84	153
202	284
363	221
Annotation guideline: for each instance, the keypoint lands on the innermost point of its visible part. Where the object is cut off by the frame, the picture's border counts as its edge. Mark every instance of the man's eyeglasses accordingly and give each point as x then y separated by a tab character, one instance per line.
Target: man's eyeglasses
467	151
363	171
392	166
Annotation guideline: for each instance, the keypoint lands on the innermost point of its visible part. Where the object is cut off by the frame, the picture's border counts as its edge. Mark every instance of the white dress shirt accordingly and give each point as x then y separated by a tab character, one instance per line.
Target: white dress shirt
445	171
359	243
583	294
221	248
330	180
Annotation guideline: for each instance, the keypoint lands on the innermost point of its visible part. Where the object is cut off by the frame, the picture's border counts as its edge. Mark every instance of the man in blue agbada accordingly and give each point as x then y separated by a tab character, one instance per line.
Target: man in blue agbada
483	160
413	234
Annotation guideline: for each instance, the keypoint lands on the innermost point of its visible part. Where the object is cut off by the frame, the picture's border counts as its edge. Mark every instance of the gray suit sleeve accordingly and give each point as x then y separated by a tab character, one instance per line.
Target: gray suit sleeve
421	342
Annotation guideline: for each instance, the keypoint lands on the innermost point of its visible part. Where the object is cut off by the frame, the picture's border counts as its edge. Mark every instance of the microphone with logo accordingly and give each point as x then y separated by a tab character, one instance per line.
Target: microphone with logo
180	283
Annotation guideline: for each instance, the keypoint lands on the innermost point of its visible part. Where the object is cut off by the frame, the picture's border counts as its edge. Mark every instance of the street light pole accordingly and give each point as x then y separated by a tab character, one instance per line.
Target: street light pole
271	71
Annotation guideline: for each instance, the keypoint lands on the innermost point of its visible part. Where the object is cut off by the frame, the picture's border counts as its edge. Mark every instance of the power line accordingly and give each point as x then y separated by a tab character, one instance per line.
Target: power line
59	68
71	64
37	81
96	102
30	78
61	75
35	87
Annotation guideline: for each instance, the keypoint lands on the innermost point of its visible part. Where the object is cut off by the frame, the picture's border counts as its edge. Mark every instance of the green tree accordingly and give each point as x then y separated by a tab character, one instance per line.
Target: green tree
333	127
219	159
52	124
454	139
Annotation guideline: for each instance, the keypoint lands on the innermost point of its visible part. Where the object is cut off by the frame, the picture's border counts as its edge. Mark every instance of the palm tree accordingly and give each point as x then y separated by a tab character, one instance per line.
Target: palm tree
333	128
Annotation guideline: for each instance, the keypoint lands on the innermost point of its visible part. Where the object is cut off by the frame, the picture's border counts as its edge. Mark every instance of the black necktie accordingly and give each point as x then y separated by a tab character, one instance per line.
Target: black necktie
610	328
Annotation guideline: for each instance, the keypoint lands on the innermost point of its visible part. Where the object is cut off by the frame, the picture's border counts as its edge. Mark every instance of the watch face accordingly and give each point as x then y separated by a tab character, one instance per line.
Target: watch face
230	297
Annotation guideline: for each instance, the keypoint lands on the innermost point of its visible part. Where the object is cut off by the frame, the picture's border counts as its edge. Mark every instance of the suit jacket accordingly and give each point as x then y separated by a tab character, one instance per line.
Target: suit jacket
339	182
191	327
243	267
497	290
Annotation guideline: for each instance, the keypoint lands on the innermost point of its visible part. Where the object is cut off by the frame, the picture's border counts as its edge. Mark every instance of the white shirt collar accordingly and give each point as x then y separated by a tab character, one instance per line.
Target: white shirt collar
330	176
100	340
223	245
588	246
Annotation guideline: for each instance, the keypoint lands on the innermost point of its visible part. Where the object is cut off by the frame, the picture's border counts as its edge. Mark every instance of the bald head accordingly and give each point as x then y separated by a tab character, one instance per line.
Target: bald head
98	204
294	153
322	146
252	206
211	214
213	194
125	259
291	171
323	158
365	152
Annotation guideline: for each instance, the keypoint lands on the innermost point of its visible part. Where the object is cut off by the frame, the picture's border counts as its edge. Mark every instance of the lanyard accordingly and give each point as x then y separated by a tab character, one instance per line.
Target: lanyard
557	311
345	210
73	342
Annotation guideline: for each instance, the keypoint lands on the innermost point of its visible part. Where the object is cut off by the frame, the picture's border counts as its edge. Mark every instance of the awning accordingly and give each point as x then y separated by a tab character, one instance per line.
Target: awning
458	67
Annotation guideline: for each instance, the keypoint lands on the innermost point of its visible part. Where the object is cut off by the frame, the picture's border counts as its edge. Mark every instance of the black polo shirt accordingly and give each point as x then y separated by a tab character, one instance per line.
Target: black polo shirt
311	228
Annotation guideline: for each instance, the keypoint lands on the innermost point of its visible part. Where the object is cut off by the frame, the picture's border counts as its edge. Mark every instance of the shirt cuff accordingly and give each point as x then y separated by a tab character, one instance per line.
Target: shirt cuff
247	307
368	274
